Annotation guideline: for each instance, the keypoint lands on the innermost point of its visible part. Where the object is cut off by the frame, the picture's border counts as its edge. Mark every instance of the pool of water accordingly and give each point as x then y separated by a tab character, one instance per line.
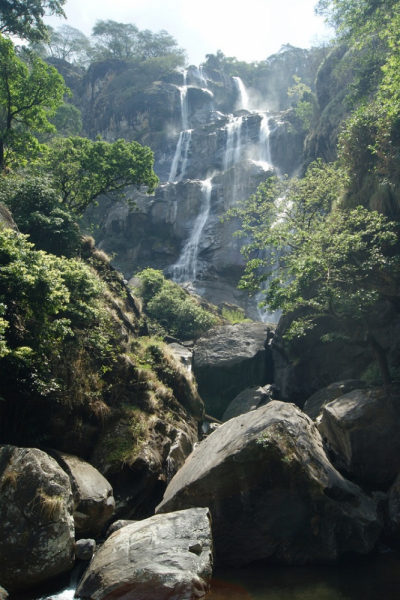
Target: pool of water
357	578
374	577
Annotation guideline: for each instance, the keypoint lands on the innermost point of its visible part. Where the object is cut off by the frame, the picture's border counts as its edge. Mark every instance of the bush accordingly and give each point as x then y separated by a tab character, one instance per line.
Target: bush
38	212
175	310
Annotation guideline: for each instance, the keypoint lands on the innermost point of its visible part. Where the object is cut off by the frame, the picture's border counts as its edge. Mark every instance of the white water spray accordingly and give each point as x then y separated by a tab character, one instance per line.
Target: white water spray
186	267
243	102
233	148
264	141
179	163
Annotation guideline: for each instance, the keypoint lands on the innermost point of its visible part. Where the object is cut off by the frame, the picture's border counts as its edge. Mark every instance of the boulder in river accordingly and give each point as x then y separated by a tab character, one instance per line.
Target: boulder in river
163	557
273	493
362	428
229	359
36	522
93	496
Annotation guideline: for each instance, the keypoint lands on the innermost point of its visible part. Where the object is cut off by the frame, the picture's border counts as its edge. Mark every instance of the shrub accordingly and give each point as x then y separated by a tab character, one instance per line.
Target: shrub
175	310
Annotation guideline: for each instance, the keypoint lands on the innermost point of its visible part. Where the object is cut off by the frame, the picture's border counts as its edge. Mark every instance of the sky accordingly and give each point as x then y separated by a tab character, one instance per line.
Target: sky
249	29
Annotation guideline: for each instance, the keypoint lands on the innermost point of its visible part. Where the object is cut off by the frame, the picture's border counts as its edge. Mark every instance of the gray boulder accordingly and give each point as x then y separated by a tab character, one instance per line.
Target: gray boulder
273	493
317	401
93	496
228	360
84	549
36	523
163	557
248	400
362	428
117	525
3	594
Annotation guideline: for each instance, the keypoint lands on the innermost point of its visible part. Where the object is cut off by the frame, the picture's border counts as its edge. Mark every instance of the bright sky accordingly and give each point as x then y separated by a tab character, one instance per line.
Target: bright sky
249	30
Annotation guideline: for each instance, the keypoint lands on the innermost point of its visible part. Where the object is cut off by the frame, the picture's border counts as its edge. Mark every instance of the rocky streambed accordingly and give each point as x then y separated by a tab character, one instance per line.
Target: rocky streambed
261	500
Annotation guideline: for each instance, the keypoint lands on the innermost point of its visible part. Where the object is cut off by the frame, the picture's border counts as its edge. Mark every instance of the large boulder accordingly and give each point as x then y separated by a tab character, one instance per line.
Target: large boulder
229	359
93	496
314	405
163	557
362	428
249	399
273	493
36	523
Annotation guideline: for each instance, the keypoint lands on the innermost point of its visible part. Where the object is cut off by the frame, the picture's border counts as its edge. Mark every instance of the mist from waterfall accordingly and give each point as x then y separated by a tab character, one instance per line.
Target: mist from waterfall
243	102
186	267
264	141
233	148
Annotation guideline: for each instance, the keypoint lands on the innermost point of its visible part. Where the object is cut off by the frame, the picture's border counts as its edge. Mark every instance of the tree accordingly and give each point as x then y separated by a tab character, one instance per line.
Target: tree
29	95
331	263
24	18
82	170
38	212
155	45
65	43
115	40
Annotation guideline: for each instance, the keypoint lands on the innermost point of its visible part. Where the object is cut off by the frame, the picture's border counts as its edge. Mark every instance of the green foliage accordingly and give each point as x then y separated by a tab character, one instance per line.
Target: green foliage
67	120
306	105
38	212
65	43
169	305
234	315
327	262
124	41
24	18
82	170
29	95
373	377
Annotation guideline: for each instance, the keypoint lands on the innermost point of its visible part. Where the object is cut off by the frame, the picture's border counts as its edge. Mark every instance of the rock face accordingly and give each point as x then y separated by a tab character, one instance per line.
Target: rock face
248	400
36	523
317	401
229	359
197	128
392	528
164	557
93	496
273	493
362	428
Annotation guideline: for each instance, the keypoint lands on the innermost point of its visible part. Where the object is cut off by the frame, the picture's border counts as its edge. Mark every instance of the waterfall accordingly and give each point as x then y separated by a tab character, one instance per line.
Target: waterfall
186	267
181	156
202	78
233	148
184	102
243	102
264	141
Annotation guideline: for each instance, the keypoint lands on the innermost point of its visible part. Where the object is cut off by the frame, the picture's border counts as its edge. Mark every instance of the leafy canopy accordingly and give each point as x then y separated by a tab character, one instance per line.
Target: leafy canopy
29	94
328	262
24	18
83	170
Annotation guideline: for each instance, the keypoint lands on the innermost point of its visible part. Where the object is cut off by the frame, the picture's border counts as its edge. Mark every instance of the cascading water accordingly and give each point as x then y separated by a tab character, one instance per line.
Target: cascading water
243	102
179	163
186	267
264	141
233	148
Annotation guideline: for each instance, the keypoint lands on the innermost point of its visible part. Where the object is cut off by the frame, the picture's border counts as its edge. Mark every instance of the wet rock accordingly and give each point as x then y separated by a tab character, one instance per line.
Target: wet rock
229	359
84	549
93	495
392	528
36	523
248	400
164	557
273	493
184	354
317	401
362	428
3	594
